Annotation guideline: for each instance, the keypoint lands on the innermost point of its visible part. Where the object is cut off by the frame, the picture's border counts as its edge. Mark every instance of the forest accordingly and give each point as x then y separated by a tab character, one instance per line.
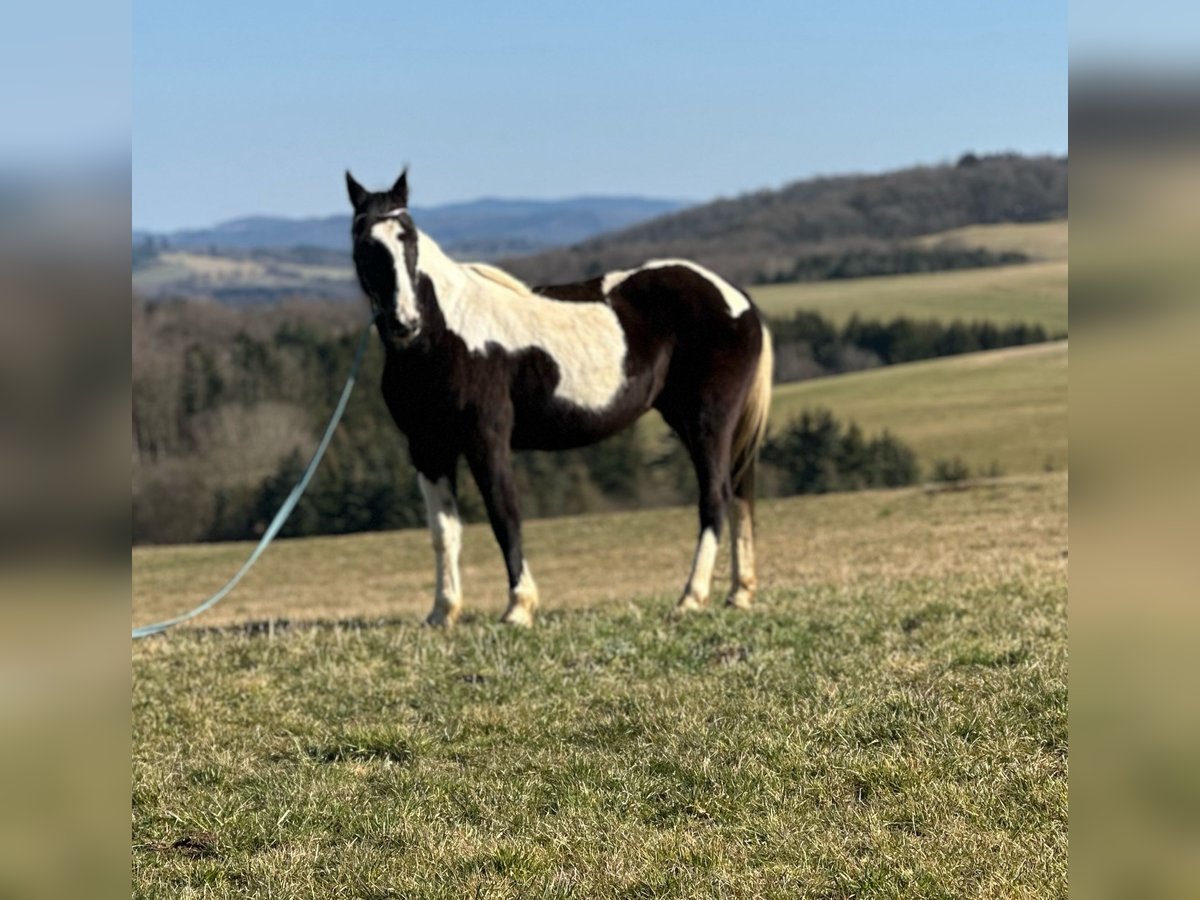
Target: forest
228	403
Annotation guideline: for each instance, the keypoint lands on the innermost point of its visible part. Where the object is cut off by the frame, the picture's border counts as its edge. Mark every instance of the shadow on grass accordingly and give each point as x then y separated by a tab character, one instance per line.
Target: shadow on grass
362	749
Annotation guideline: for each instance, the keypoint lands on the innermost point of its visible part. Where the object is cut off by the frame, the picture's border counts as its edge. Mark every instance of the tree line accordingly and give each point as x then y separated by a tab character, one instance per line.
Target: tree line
808	345
227	405
862	259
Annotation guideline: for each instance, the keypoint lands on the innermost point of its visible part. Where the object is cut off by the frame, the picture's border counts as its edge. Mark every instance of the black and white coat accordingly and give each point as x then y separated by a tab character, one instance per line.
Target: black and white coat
478	365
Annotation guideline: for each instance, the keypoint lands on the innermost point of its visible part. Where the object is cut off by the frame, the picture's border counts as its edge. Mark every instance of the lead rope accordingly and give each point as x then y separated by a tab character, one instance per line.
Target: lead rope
284	511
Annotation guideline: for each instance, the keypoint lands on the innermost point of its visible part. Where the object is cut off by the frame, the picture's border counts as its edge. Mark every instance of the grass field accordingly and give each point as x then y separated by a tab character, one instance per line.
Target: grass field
1037	240
1007	407
891	721
1035	293
184	270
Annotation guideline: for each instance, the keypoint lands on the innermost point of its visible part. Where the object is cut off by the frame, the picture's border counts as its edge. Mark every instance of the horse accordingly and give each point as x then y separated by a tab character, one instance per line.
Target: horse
479	365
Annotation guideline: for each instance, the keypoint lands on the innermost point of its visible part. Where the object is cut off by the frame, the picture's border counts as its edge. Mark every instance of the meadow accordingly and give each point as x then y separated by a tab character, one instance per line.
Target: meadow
183	273
890	721
1042	241
1034	293
1002	409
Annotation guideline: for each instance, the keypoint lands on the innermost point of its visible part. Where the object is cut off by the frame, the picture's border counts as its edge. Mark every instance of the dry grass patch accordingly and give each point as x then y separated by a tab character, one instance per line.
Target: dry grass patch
587	561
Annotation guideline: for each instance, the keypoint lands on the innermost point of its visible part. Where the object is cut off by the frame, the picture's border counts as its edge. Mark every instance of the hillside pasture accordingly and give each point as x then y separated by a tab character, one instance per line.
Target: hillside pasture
890	721
1040	241
1004	407
1034	293
188	273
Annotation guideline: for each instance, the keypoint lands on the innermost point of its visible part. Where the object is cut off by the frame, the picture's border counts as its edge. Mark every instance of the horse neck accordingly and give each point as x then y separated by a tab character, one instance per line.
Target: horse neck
448	277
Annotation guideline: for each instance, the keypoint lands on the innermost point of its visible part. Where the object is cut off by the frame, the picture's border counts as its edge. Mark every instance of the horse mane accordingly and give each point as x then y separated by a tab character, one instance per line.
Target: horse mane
498	276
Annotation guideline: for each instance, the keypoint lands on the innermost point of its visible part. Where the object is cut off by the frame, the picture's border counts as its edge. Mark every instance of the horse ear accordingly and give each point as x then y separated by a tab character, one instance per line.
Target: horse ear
358	193
399	191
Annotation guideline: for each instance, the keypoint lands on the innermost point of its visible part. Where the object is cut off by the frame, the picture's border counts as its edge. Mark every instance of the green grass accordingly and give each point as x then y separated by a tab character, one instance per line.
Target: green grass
1035	293
891	721
1007	407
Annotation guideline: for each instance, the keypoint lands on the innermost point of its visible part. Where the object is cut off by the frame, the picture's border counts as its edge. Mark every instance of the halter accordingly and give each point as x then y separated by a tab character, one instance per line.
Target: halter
390	214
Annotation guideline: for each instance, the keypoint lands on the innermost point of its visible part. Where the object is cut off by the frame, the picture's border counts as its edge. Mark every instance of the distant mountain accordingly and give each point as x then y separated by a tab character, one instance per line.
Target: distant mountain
836	227
487	227
820	228
273	232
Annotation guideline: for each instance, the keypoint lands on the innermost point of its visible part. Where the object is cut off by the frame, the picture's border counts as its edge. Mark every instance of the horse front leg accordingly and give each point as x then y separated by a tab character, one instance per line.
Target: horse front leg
445	528
492	468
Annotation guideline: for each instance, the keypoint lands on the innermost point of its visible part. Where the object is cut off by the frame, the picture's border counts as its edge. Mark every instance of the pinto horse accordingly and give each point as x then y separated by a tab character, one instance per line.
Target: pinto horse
479	365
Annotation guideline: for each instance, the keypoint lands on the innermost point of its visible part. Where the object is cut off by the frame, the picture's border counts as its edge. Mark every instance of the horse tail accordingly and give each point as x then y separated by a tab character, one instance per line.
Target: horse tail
751	428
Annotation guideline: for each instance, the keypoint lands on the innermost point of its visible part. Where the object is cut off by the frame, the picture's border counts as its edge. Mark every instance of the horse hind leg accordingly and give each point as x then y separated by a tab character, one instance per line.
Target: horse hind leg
711	459
748	438
745	580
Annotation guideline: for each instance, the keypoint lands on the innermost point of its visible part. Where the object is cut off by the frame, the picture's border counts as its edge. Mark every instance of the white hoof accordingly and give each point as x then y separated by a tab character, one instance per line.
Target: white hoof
518	615
689	603
443	615
740	599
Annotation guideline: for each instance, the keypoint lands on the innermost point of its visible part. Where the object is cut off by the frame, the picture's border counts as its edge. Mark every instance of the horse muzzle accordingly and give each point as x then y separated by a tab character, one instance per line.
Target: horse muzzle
404	332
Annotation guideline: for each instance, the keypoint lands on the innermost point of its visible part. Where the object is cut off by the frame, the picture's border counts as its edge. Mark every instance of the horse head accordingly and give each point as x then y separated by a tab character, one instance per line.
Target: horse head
385	255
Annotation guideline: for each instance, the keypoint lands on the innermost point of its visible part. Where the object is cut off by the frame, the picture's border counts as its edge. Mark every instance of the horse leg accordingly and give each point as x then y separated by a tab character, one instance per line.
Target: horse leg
445	527
710	456
492	469
741	521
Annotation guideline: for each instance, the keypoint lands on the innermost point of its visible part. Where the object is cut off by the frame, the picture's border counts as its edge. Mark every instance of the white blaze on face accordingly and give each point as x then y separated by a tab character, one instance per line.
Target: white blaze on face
483	306
735	301
390	233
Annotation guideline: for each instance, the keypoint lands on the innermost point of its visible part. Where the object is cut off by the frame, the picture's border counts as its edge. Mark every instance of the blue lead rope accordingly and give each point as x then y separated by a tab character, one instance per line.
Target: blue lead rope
284	511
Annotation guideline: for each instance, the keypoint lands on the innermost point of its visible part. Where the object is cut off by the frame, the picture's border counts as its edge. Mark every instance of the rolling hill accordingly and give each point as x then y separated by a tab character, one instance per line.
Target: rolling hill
980	212
1035	293
1040	241
777	235
1007	407
487	226
261	276
265	258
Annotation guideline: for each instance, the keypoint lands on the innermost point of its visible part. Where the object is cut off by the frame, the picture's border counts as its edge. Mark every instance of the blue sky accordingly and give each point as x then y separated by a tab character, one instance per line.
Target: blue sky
65	69
242	108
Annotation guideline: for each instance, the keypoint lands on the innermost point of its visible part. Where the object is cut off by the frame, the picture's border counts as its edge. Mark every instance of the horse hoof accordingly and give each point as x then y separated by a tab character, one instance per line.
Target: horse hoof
739	599
442	618
688	603
518	616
